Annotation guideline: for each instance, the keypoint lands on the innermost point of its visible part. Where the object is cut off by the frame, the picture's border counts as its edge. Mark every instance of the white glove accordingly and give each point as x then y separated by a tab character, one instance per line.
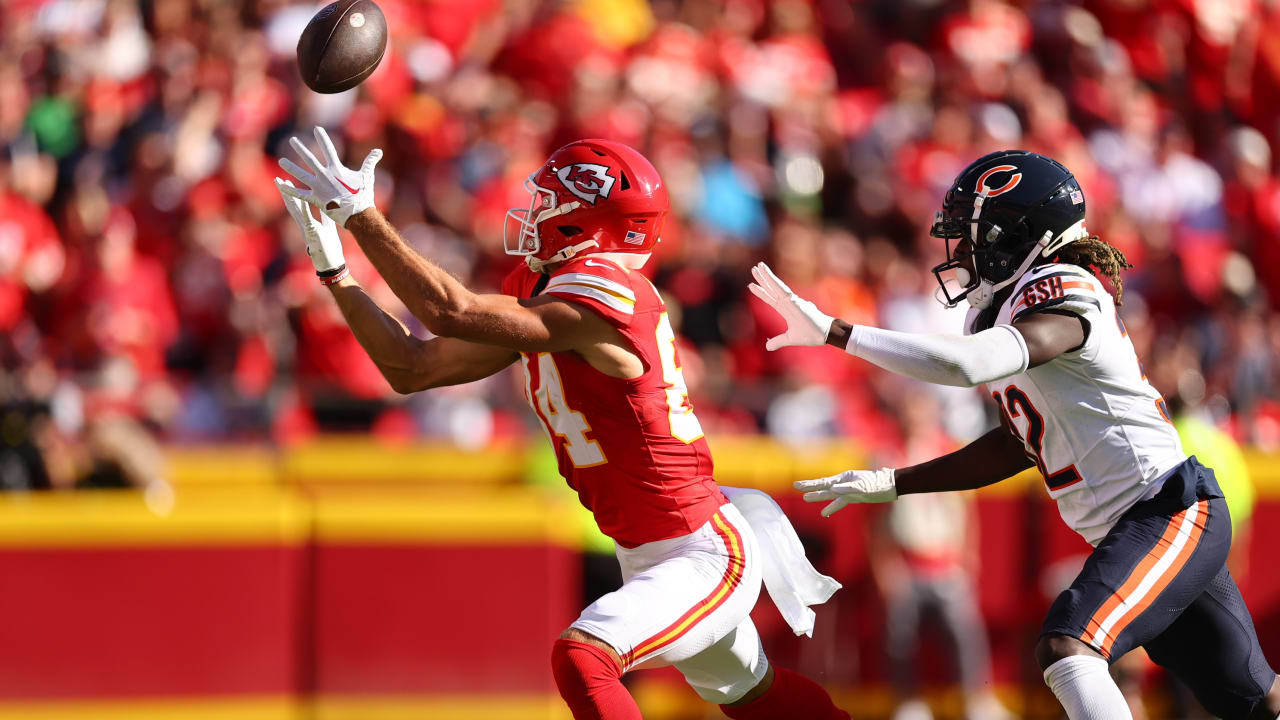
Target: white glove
806	324
323	244
336	190
850	486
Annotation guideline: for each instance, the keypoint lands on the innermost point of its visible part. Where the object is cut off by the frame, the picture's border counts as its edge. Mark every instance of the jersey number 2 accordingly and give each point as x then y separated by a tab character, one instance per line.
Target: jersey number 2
1019	405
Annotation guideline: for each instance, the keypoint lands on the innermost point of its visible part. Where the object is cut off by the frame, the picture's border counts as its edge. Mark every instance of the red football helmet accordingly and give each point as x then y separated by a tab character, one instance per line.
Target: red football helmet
590	195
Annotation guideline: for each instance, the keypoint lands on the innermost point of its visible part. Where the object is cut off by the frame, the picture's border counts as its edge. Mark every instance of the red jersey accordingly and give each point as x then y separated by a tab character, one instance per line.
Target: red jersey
632	449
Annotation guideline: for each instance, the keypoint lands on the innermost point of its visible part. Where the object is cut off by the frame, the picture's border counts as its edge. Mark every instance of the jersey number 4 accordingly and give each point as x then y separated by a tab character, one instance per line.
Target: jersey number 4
565	422
1019	406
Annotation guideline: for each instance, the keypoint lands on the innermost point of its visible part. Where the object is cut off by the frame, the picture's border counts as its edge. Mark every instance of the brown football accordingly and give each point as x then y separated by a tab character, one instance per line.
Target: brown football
342	45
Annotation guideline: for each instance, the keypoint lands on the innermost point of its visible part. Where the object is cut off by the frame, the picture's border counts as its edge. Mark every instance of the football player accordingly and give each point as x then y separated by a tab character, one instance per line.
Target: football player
603	376
1043	334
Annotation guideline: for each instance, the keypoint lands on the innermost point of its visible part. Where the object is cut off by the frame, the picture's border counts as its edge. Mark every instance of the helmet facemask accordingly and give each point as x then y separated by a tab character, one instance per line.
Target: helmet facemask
543	206
988	265
954	289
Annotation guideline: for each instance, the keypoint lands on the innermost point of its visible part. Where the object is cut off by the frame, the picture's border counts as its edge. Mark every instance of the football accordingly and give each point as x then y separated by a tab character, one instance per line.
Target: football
342	45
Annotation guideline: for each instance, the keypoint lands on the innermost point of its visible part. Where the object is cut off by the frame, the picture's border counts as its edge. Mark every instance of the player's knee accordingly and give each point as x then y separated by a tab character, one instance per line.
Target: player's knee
580	661
1052	648
739	697
1268	708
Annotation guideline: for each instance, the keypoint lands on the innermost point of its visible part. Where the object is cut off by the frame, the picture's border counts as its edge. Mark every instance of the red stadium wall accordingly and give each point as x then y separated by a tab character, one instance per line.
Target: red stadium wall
255	602
340	582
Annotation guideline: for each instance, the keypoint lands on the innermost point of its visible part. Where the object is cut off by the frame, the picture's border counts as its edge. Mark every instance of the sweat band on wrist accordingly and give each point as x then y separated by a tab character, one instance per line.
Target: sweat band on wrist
334	276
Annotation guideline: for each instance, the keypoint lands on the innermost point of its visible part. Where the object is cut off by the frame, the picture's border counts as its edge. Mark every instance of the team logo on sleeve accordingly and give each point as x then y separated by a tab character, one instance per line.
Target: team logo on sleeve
588	181
1009	185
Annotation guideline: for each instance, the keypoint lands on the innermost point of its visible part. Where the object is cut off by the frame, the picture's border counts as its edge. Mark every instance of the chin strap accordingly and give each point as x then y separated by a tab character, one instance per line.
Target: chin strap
977	213
537	265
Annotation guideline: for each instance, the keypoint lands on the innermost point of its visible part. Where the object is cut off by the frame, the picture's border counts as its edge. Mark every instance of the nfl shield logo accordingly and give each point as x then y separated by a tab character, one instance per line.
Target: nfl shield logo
634	238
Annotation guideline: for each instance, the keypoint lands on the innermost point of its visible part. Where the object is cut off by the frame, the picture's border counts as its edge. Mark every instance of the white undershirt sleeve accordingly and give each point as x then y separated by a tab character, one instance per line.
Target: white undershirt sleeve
961	360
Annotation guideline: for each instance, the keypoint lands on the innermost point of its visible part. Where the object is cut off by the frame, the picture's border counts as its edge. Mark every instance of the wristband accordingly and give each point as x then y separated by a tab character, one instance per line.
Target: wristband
334	276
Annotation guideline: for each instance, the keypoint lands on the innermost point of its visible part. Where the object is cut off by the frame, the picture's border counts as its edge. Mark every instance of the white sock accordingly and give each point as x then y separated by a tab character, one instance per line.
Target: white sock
1086	690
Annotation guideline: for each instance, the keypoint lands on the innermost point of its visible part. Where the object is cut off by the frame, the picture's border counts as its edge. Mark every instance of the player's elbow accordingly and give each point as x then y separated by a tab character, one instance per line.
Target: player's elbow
404	387
957	374
407	382
403	383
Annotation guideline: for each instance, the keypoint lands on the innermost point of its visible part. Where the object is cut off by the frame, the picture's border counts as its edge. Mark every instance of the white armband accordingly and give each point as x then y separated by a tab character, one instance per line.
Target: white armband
961	360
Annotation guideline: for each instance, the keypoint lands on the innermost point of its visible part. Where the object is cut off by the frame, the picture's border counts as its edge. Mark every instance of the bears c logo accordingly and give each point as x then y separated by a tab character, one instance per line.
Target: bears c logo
587	180
992	192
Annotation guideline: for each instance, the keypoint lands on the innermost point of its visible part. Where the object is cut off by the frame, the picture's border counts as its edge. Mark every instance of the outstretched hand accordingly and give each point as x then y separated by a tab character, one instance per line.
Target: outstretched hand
850	486
806	324
321	235
338	191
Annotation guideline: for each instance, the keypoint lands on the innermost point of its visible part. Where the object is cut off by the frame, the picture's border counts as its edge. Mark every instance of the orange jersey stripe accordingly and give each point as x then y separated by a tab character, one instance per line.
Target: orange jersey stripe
1137	575
1193	541
1067	285
728	583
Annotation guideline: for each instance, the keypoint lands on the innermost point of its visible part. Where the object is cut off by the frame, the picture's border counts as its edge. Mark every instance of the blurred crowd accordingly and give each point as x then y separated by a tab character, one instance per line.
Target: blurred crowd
150	280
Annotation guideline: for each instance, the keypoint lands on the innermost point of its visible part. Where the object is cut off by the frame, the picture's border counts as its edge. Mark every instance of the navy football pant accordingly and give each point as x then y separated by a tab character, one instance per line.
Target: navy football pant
1159	580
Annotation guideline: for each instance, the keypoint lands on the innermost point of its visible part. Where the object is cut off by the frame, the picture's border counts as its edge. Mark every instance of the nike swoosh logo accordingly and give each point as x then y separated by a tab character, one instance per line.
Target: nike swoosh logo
350	189
592	263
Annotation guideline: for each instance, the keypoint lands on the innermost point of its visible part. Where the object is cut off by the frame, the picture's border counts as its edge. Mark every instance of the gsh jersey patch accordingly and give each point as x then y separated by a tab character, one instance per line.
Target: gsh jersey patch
588	181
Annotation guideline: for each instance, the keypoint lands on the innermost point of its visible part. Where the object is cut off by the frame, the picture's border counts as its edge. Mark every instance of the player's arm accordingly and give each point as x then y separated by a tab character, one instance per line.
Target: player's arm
985	461
1050	334
447	308
958	360
988	460
409	363
437	299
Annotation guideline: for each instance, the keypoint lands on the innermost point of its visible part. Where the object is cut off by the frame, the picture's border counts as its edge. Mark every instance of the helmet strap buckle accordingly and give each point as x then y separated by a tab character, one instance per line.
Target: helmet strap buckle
538	265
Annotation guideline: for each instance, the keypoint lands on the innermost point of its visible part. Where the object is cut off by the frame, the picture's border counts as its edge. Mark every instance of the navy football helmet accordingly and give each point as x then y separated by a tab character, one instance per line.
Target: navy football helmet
1005	212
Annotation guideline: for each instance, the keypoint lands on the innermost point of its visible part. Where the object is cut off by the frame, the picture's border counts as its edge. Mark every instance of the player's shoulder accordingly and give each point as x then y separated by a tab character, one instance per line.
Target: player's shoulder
598	282
1059	287
1048	271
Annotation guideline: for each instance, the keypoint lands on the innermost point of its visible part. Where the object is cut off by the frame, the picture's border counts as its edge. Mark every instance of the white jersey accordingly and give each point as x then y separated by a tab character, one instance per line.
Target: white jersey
1098	431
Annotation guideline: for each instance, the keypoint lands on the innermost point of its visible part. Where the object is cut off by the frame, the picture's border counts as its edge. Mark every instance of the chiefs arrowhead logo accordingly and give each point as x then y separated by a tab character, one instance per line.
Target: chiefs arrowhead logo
1011	184
587	181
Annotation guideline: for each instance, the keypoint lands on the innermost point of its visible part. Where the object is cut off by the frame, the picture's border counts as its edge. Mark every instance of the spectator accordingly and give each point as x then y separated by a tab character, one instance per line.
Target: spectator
138	137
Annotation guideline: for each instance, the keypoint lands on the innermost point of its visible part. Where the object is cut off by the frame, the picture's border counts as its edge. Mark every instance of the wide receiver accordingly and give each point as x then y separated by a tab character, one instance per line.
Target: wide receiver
1043	334
603	376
